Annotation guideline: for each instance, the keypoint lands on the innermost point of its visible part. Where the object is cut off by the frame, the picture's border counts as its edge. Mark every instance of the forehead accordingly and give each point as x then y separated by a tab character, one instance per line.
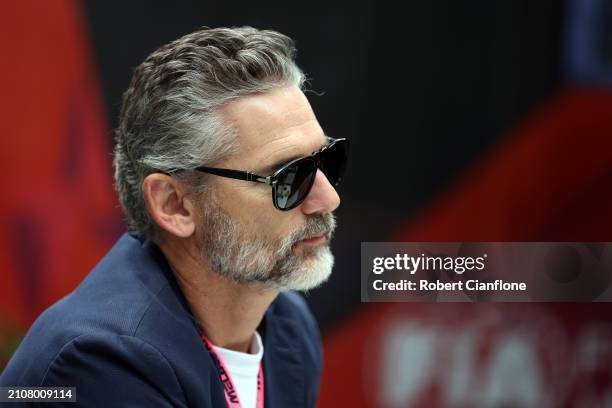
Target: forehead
274	125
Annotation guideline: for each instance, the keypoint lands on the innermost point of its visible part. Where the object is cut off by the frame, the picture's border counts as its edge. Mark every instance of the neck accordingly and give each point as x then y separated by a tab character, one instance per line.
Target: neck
228	312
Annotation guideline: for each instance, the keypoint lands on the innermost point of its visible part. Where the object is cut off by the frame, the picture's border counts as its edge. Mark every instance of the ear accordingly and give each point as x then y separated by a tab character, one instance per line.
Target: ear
168	204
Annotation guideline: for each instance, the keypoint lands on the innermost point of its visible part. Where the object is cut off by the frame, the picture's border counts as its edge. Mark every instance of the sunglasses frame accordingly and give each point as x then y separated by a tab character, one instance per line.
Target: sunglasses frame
272	180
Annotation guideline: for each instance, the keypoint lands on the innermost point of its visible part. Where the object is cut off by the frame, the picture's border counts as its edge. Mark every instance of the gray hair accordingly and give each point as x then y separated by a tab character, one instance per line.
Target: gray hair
170	117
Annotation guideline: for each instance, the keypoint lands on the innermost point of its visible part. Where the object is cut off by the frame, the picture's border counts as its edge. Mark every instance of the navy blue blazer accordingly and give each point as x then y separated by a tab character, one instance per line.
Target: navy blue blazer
126	337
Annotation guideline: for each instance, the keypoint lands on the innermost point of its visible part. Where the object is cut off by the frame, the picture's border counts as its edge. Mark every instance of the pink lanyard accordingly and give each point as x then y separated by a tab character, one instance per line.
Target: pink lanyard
231	396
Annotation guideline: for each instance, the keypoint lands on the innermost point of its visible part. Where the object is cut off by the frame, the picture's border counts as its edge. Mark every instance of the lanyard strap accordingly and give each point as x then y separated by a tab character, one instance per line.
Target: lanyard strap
231	395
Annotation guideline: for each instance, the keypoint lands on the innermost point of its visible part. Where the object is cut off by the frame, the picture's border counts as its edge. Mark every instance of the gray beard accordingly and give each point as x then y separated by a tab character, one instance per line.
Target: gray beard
250	259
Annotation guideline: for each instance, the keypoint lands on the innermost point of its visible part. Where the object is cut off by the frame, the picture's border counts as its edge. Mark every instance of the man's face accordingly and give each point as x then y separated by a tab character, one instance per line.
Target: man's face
241	235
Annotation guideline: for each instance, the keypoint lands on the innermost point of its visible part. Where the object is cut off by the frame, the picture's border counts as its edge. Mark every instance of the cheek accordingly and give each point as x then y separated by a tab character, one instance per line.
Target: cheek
252	207
267	225
273	225
252	196
244	201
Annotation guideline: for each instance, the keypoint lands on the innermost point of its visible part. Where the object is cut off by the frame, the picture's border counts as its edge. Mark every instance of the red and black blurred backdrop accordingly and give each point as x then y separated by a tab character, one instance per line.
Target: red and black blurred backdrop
470	121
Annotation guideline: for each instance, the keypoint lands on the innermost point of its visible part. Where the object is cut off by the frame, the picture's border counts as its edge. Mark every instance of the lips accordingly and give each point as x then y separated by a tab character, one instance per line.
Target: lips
314	240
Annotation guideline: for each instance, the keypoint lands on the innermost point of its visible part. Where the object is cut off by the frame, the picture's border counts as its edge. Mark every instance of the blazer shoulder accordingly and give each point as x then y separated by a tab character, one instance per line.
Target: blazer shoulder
115	367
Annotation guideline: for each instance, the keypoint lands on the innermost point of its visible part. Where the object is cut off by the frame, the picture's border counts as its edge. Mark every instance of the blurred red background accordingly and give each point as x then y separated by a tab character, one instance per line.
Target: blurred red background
500	130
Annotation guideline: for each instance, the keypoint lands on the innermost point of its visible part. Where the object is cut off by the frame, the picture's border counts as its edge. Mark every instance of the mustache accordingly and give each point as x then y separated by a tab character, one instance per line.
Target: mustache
319	224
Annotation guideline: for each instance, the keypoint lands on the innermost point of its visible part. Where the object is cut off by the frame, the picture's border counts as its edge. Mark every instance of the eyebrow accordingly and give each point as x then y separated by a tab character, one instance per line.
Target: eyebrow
268	170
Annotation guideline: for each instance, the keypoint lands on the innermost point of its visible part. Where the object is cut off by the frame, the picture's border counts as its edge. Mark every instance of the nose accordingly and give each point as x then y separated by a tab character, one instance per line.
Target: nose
322	198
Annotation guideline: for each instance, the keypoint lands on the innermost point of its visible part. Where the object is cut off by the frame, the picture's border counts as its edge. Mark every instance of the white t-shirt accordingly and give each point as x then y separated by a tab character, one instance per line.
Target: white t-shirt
244	369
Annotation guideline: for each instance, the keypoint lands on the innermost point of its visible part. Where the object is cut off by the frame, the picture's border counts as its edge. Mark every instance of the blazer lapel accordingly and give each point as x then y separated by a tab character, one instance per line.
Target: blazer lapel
282	363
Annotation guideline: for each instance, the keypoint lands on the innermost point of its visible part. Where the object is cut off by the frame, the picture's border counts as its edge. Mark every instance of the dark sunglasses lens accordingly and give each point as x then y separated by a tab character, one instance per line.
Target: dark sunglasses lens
294	183
333	162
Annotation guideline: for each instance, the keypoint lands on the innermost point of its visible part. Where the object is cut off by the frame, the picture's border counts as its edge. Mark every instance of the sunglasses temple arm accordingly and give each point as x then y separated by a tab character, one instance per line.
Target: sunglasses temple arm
235	174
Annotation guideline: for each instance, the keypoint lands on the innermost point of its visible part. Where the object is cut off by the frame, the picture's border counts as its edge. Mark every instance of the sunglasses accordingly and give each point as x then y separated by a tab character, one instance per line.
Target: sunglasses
293	181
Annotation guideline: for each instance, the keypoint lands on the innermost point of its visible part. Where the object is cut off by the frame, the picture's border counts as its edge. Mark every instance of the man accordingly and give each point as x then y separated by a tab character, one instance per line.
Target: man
228	183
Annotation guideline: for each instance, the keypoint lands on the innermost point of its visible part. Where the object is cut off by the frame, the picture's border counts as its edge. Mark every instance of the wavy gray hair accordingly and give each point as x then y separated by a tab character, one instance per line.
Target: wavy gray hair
170	117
